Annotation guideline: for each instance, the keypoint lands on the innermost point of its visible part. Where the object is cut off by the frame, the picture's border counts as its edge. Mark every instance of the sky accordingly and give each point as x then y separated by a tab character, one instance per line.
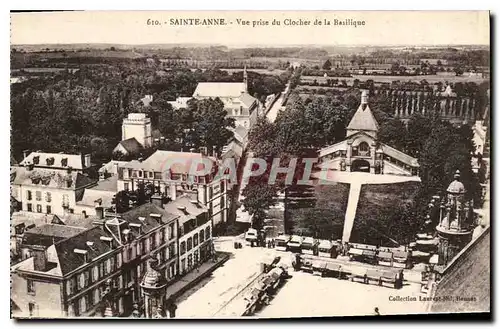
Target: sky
130	27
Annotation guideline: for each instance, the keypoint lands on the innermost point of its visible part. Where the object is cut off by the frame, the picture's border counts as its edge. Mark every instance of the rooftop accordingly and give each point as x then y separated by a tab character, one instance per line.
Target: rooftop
190	209
131	145
147	222
177	162
74	161
48	234
468	275
50	178
219	89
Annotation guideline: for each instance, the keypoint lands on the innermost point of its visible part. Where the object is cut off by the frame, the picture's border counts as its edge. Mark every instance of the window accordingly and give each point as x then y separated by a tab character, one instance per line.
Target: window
31	287
125	186
39	208
183	247
157	175
29	207
81	281
190	261
83	304
90	297
152	242
171	271
69	287
32	309
171	250
207	233
162	236
86	276
38	195
28	195
139	173
196	256
97	295
222	187
150	174
143	245
195	239
183	265
95	273
49	209
65	200
118	260
190	244
171	231
101	270
129	254
107	269
202	235
48	197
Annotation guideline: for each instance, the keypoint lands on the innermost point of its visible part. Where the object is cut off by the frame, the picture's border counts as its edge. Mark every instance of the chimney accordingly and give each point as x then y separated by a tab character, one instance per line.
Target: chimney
157	217
82	252
40	261
108	240
137	226
157	200
26	153
99	212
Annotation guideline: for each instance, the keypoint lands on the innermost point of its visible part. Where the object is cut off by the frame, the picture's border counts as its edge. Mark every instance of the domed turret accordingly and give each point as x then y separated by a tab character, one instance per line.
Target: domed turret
456	187
153	278
154	289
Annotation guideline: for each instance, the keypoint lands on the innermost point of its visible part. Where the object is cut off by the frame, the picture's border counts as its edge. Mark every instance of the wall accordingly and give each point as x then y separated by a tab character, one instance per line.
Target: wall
47	296
55	203
184	238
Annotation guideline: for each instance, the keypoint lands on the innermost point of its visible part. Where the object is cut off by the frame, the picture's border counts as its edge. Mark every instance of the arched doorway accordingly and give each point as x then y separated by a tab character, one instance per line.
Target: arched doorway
360	165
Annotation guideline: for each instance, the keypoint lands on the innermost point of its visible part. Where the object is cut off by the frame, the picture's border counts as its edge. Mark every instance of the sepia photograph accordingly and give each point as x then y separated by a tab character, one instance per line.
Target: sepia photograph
249	164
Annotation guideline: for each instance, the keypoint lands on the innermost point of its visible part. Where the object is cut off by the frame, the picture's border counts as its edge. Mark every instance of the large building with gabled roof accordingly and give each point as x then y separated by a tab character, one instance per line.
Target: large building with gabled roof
239	104
362	151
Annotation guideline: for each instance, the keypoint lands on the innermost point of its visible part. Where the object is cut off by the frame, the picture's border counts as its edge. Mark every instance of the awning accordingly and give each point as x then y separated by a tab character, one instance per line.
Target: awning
354	251
385	255
369	253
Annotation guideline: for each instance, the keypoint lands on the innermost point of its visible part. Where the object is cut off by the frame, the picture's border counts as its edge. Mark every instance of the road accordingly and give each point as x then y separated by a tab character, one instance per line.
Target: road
272	113
218	295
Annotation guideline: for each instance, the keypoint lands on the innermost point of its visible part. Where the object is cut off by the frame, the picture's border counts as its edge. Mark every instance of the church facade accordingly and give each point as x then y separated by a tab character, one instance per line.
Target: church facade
361	150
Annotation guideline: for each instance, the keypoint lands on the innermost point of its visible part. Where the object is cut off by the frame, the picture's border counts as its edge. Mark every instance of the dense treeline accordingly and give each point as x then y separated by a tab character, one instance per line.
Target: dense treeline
83	111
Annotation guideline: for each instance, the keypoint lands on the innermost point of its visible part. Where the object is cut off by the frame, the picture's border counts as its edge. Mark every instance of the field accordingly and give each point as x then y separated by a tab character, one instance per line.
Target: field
389	79
377	216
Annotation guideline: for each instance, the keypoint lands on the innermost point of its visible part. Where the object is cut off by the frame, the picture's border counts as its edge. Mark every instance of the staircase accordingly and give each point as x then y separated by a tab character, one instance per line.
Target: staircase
350	212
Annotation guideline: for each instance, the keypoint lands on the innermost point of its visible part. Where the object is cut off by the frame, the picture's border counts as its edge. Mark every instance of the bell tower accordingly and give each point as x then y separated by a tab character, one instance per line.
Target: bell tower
455	226
154	290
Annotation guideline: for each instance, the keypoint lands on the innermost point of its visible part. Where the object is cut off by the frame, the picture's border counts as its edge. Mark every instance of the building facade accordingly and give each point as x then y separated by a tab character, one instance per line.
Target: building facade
71	276
171	174
239	104
361	150
138	126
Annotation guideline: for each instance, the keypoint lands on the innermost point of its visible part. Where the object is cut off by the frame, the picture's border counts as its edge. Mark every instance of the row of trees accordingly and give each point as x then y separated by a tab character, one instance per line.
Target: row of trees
311	124
83	111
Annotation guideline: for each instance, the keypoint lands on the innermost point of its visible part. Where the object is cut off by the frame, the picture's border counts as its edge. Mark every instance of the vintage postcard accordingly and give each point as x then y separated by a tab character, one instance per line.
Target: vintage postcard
260	164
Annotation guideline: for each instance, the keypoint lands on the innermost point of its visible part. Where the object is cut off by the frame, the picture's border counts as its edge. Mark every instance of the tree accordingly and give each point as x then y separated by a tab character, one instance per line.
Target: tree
259	196
327	65
394	133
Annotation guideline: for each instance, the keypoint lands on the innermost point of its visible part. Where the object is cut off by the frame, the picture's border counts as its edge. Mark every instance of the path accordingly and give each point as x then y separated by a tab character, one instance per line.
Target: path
350	213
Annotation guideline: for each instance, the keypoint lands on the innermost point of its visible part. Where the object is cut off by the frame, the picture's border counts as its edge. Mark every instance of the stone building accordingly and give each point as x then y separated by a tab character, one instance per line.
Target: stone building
138	126
455	226
361	150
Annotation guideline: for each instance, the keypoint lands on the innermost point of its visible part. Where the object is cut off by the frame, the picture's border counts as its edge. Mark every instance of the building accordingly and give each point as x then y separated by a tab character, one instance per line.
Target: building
180	102
361	150
97	271
129	147
49	191
455	226
138	126
195	232
239	104
80	163
169	173
110	169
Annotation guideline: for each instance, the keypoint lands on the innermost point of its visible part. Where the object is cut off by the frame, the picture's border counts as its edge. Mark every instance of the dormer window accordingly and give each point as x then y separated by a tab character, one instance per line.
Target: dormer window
64	162
36	159
50	161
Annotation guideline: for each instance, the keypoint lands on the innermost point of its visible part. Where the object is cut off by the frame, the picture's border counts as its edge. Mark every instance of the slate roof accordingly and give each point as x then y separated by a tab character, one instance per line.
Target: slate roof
90	196
191	209
363	119
75	161
468	275
219	89
56	179
48	234
149	223
177	162
106	185
69	260
131	145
